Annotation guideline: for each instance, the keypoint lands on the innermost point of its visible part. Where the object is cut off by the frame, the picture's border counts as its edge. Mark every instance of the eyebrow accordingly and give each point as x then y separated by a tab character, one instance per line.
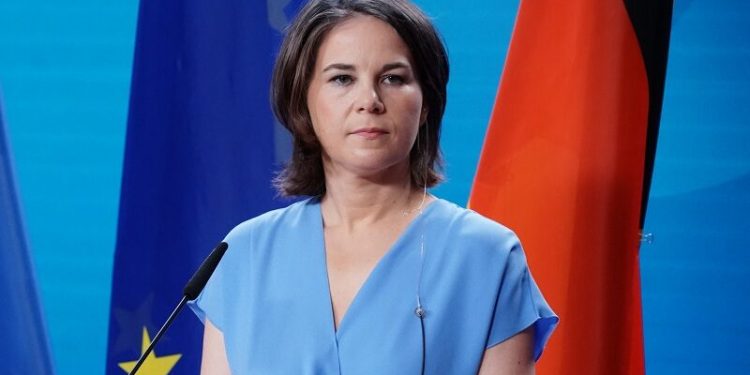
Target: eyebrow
339	66
395	65
349	67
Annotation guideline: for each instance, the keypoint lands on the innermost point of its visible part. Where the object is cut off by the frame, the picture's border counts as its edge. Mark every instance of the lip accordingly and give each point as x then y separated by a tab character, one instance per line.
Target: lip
369	133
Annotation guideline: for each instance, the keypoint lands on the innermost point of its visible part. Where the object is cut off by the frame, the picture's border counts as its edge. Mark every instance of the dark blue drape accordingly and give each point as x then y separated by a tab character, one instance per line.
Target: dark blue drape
200	153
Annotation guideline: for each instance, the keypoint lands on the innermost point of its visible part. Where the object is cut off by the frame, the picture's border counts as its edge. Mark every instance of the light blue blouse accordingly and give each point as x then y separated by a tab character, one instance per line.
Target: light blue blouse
270	297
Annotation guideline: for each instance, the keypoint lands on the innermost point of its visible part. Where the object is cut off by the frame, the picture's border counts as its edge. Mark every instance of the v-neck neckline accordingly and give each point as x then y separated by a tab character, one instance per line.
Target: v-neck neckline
391	252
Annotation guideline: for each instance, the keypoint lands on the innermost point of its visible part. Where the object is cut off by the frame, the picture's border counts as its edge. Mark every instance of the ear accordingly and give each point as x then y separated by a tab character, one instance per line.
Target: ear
423	116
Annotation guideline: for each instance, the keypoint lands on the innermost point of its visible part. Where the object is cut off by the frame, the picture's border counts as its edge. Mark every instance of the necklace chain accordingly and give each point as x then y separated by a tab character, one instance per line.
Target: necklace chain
409	211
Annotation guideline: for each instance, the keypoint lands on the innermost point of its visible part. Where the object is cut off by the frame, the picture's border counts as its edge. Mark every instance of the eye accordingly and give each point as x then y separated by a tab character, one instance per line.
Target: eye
341	79
393	79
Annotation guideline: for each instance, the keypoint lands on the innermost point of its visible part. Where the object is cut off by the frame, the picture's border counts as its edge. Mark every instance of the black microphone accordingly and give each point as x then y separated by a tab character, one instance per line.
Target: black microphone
196	284
191	291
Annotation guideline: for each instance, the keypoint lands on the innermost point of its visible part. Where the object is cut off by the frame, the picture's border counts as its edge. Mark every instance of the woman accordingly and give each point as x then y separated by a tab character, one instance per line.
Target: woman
372	275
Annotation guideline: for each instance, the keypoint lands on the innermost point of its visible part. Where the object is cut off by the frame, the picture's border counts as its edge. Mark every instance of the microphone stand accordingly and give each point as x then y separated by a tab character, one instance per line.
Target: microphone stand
163	329
191	291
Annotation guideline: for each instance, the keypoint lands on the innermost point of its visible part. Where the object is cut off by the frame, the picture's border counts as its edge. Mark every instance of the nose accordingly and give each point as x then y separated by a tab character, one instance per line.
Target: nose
369	100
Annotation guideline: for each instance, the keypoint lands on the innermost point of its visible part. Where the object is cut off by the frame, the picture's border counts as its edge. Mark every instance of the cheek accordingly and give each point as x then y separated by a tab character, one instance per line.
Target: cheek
324	112
413	101
324	126
318	115
411	111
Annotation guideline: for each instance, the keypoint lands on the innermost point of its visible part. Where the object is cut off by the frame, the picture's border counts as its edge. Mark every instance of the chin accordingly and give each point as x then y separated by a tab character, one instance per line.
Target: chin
369	163
383	170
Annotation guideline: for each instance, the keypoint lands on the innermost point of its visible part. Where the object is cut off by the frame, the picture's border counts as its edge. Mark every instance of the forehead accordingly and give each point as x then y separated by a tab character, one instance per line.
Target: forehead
362	37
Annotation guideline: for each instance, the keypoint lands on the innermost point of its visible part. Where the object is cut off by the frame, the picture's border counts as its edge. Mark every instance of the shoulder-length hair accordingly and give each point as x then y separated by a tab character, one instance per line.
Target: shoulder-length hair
303	174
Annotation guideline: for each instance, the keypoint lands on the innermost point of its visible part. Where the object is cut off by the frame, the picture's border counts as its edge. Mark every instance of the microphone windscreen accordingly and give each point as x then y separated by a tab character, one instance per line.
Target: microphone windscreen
196	284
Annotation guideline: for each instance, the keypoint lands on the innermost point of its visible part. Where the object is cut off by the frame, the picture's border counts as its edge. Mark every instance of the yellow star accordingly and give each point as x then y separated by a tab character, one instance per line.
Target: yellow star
153	365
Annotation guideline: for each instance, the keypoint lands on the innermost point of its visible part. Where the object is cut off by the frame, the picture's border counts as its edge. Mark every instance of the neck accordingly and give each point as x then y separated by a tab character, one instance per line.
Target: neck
351	201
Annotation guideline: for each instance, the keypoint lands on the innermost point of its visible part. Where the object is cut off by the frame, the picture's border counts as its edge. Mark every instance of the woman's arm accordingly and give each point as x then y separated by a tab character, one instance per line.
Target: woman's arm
214	361
513	356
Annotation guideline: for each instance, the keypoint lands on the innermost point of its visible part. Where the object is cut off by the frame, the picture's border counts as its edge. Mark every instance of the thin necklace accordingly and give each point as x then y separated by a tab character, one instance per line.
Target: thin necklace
409	211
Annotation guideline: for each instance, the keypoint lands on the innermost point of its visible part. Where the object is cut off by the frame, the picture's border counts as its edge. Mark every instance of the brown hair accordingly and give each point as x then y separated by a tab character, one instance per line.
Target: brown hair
303	174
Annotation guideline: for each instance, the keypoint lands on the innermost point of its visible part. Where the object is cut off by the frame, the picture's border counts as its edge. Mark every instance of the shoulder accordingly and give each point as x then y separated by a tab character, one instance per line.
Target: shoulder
295	214
475	229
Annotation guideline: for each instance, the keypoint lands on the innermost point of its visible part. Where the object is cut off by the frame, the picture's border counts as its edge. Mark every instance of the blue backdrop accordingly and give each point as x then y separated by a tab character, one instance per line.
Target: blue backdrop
696	273
65	72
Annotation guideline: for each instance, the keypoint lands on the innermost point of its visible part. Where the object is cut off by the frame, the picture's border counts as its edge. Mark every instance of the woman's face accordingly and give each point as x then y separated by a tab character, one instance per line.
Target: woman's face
364	99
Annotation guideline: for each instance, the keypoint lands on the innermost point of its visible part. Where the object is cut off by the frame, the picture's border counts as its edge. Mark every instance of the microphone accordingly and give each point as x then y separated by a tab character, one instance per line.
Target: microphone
195	286
192	289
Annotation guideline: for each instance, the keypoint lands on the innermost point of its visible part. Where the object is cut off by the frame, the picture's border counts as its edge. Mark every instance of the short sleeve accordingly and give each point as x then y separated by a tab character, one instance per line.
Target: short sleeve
209	301
520	304
217	297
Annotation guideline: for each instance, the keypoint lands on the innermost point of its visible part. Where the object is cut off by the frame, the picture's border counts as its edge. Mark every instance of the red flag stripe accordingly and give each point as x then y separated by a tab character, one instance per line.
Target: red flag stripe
563	165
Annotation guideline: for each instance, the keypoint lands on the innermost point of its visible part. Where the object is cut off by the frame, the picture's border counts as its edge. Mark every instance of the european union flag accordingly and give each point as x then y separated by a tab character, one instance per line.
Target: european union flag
201	150
24	348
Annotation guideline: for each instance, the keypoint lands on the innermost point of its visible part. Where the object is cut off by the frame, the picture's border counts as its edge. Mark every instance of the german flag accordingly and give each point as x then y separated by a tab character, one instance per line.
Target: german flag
567	164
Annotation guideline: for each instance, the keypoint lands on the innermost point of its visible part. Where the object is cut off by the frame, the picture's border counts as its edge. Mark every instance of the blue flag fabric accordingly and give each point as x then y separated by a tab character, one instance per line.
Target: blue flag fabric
201	150
24	348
